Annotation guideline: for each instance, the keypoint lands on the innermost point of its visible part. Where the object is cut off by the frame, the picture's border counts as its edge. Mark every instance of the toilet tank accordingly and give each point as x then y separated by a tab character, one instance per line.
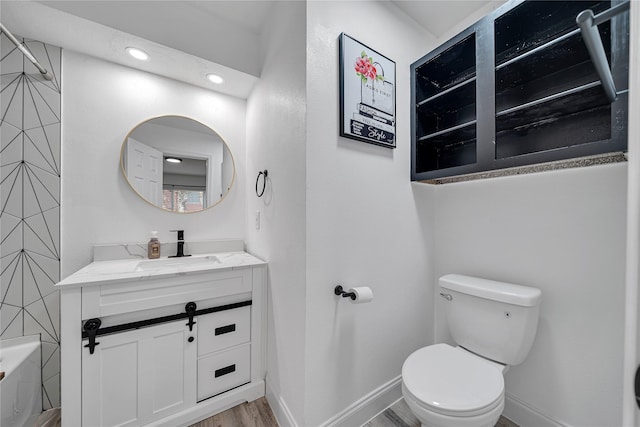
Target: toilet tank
496	320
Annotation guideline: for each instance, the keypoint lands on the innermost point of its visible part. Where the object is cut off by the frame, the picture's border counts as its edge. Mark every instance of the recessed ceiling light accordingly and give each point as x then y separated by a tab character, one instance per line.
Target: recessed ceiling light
173	160
137	53
215	78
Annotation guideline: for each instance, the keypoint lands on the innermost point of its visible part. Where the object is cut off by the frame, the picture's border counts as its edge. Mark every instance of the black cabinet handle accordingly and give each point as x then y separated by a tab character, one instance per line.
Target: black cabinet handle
190	308
225	329
224	371
91	327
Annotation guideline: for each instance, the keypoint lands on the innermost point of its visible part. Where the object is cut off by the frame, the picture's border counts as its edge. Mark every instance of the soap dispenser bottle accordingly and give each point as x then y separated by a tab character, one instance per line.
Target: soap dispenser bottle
154	246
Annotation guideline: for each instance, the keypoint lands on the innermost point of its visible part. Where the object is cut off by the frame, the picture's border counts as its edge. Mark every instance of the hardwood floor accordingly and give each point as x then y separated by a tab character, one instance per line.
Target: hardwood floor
258	414
505	422
252	414
398	415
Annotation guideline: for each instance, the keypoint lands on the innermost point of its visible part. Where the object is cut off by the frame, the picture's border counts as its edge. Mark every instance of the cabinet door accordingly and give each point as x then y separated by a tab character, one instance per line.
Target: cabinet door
138	376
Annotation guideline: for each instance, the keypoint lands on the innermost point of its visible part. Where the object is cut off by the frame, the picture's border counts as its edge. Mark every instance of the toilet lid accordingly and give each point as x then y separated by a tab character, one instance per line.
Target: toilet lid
448	380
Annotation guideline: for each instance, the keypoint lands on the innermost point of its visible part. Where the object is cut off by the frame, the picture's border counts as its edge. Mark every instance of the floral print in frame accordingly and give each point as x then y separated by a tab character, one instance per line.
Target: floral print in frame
367	94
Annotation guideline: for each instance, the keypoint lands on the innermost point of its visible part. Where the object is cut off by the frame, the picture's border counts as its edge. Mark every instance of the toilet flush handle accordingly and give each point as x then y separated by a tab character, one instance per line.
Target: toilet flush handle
448	297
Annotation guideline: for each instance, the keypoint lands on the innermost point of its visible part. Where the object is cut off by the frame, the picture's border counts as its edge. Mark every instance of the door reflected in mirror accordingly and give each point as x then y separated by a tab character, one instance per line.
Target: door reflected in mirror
177	164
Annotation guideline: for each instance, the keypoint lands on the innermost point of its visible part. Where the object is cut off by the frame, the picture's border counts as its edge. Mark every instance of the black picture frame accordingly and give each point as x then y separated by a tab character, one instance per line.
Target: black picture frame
367	94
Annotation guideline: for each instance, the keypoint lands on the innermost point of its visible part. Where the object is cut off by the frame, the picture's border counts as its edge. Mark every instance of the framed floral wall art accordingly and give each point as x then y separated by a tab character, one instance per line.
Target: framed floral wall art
367	94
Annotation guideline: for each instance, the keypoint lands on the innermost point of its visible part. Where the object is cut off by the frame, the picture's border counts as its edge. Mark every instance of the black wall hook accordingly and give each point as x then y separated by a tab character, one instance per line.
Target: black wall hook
339	290
264	182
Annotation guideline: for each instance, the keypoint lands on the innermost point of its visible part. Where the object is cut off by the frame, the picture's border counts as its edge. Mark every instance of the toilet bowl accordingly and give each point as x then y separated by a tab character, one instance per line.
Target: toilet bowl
447	386
494	325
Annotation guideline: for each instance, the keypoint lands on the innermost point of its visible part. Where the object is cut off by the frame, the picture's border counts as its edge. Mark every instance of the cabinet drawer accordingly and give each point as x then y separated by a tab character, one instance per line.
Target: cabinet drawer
223	371
224	329
100	301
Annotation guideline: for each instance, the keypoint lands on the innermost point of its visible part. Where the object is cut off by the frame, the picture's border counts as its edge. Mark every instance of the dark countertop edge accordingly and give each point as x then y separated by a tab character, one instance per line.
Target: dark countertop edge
599	159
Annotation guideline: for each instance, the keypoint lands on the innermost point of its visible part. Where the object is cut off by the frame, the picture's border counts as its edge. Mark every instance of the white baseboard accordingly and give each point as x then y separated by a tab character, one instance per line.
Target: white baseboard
527	416
368	406
279	408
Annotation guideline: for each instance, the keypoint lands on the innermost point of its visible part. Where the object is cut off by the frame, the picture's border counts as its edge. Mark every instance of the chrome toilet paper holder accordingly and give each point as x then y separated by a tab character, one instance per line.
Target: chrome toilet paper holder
339	290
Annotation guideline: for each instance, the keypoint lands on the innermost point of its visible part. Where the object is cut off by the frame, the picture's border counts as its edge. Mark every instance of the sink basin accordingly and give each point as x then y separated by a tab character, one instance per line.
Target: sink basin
163	263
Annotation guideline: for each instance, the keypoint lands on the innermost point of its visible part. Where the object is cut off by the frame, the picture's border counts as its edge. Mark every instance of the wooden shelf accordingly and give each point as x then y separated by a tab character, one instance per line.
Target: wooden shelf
535	23
550	69
451	148
446	131
448	91
574	117
553	102
446	70
537	50
447	111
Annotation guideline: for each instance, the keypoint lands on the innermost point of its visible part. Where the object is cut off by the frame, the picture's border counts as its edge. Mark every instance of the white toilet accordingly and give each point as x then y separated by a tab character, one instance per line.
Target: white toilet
494	325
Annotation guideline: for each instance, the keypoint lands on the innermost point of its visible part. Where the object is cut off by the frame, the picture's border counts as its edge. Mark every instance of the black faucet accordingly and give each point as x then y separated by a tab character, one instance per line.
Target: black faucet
180	252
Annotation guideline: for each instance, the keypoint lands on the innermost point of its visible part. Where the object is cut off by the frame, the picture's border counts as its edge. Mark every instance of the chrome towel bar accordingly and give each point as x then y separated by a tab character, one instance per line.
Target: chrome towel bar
26	53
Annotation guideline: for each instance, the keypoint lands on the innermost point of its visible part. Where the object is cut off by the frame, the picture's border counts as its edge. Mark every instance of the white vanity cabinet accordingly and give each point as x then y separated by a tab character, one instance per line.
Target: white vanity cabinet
173	345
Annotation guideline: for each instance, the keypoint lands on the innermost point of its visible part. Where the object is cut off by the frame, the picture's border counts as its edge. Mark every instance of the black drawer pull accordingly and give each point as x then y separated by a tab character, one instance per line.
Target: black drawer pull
224	371
225	329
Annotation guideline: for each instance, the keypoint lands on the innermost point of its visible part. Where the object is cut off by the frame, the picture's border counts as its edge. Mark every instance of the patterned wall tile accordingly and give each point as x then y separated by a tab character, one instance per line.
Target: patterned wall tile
30	203
12	59
11	318
48	137
11	99
12	279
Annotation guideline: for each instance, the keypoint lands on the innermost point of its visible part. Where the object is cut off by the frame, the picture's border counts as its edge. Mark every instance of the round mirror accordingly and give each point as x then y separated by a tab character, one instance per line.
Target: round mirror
177	164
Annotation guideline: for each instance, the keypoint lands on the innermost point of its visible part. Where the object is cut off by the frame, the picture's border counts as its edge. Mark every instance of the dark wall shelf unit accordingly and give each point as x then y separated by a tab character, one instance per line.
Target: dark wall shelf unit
518	88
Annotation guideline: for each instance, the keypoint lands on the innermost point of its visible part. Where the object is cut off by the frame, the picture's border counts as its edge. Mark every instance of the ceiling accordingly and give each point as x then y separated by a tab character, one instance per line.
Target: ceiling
439	17
189	38
200	28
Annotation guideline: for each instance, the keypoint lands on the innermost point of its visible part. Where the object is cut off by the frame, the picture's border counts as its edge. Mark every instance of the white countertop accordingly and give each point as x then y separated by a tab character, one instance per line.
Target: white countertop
126	270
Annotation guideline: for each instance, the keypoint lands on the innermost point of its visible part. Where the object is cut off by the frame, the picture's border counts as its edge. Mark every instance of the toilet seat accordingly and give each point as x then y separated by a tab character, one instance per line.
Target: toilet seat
451	381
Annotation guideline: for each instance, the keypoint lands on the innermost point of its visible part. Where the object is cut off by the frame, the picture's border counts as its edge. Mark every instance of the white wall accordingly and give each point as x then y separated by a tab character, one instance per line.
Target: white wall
102	102
363	220
276	142
563	232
